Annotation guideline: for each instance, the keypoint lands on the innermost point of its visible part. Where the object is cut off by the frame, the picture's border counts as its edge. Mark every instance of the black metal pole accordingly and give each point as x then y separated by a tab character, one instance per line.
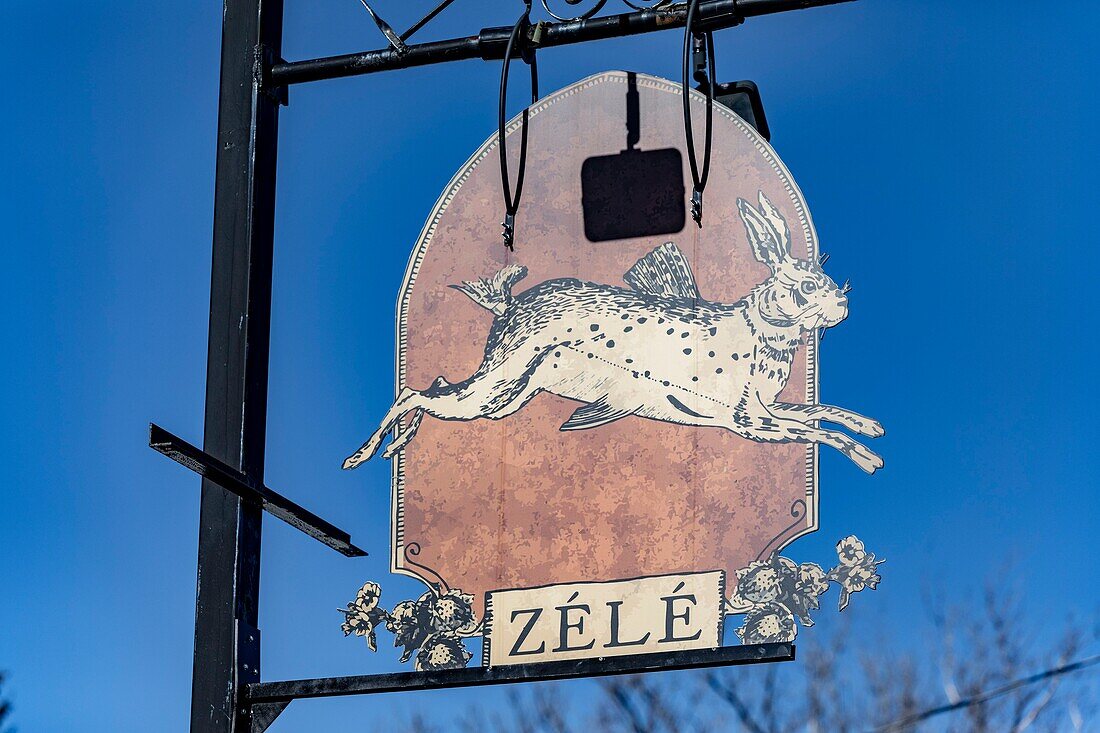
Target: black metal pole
490	43
226	637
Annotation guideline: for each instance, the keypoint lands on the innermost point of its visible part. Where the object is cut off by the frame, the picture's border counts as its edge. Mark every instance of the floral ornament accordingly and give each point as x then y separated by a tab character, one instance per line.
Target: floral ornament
453	611
411	624
777	591
767	624
811	579
362	616
761	582
858	569
850	551
431	627
443	650
807	582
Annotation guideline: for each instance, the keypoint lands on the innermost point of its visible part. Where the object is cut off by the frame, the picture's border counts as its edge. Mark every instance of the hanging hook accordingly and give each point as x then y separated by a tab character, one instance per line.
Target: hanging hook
396	42
696	44
527	53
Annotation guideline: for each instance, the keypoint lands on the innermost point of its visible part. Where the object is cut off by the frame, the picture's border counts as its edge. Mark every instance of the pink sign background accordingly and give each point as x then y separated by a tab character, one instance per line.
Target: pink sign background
492	504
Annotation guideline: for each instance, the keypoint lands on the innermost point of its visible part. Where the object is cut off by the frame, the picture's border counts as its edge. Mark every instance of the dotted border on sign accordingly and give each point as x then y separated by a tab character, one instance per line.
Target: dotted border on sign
397	483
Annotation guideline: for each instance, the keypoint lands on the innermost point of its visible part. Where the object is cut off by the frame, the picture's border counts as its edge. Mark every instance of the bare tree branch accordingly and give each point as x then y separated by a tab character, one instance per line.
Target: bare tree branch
980	698
730	696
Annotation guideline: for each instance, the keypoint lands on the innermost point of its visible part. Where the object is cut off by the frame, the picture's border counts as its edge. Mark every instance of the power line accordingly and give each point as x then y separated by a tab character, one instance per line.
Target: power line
982	697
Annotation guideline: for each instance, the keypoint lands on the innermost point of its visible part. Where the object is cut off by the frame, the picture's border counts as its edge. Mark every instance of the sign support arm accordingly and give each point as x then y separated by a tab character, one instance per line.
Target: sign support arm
273	697
490	43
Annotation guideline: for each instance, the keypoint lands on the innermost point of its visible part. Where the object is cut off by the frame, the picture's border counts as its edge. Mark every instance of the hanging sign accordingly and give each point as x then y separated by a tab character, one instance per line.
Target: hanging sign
601	440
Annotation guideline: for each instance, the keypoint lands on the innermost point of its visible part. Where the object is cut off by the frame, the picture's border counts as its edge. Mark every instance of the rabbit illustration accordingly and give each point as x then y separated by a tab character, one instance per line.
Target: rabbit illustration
654	349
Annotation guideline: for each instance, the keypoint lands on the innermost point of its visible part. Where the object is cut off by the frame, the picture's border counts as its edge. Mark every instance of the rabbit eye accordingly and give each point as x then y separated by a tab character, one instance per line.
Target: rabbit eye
808	287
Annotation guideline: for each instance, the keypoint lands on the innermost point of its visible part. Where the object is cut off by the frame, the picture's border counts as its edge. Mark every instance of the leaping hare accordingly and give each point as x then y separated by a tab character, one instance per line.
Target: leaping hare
655	349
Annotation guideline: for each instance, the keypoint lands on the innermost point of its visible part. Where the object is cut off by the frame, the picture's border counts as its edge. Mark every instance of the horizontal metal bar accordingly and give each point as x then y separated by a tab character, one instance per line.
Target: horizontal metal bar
490	43
272	502
271	692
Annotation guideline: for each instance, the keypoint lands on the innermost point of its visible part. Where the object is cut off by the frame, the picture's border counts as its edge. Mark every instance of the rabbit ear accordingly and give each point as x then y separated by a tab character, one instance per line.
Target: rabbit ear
778	223
766	242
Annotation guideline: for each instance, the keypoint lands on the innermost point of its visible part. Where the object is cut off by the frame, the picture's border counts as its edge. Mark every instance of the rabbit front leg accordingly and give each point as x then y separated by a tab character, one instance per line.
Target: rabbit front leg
762	426
851	420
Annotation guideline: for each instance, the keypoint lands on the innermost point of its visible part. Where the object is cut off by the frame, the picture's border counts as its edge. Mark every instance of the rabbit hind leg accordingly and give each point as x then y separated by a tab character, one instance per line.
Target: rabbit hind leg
516	396
521	390
400	406
405	435
442	400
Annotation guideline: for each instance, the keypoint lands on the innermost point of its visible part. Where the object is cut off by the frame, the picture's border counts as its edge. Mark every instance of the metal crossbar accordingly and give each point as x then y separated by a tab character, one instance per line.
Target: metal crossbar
263	692
272	502
490	43
271	698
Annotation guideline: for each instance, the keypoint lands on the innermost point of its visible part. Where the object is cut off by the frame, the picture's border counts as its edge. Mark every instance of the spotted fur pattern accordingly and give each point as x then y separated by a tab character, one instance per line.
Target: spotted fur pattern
654	350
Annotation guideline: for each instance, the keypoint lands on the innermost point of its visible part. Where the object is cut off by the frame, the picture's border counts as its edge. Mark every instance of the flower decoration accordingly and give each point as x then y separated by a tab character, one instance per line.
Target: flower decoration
411	624
768	623
858	569
850	551
362	616
431	627
811	579
806	583
777	591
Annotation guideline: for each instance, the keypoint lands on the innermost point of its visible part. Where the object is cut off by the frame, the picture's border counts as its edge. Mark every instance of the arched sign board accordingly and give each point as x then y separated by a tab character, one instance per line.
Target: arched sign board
599	447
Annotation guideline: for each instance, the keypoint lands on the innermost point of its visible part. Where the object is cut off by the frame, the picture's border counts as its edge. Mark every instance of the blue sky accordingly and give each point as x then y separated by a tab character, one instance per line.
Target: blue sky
947	151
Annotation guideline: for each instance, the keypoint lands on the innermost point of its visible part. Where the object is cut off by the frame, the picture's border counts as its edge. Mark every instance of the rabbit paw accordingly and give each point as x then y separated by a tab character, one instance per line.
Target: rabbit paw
870	428
364	454
865	458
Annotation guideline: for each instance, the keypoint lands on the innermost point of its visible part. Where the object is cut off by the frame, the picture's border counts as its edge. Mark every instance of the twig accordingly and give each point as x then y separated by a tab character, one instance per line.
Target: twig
621	696
731	697
982	697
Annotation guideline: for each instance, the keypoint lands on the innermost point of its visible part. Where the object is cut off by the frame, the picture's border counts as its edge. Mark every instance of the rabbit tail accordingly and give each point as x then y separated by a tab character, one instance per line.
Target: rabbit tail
494	293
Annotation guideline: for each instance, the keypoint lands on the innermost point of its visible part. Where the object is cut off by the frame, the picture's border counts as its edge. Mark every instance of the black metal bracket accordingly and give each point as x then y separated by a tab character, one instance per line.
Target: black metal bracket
743	97
232	480
264	714
271	698
263	59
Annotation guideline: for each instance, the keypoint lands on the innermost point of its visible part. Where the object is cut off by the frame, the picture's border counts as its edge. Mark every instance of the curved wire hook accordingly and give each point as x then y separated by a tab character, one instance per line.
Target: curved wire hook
698	180
511	202
583	16
658	5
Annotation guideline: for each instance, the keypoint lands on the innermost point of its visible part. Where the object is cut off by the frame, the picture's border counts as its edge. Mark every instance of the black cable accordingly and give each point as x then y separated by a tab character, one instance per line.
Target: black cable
699	181
528	54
